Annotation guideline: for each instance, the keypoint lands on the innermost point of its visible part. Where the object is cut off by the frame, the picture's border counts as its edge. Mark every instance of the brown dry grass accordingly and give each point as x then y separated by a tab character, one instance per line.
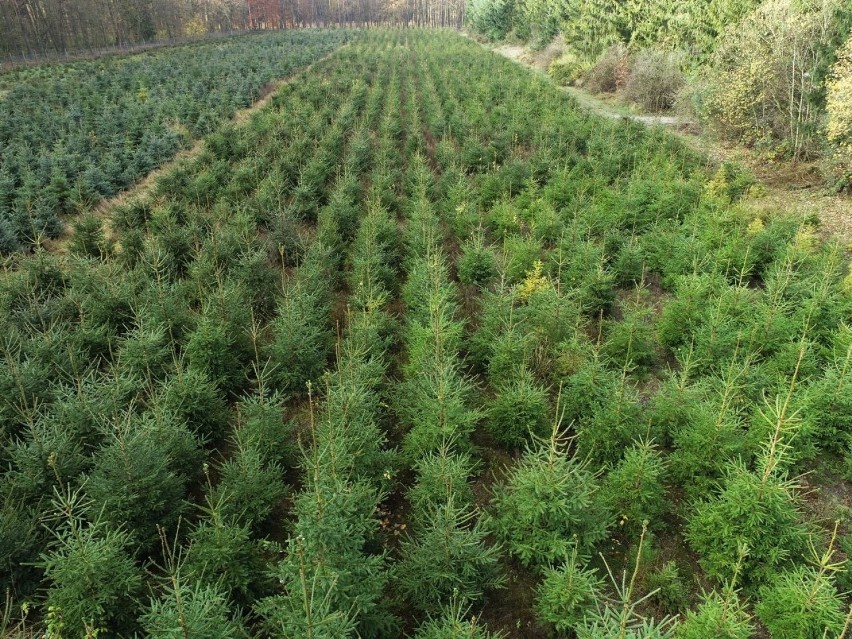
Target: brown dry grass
539	59
789	187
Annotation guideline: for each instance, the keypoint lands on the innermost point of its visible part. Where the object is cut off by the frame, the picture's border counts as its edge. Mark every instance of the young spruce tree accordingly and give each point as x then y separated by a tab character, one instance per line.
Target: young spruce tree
93	583
549	504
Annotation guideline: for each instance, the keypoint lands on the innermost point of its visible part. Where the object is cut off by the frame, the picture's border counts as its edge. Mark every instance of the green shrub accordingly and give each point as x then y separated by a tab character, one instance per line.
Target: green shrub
670	591
568	358
615	419
520	255
134	485
587	387
683	315
655	80
423	232
629	264
302	338
634	490
801	604
328	577
631	343
501	185
731	182
288	238
249	486
145	353
704	446
193	399
510	352
22	538
568	68
93	583
8	237
549	503
348	432
375	253
448	557
723	616
497	316
261	425
223	554
597	292
477	264
827	405
842	578
48	454
213	350
309	607
758	511
727	331
440	475
371	333
343	210
437	403
88	239
185	453
553	316
453	624
623	616
190	610
432	308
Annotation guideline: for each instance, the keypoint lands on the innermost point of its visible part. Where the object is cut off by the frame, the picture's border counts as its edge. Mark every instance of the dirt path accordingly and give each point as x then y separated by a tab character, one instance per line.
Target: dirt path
586	100
794	188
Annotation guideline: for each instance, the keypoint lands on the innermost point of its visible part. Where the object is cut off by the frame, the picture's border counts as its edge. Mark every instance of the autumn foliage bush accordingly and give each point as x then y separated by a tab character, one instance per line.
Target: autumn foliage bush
610	72
763	83
839	112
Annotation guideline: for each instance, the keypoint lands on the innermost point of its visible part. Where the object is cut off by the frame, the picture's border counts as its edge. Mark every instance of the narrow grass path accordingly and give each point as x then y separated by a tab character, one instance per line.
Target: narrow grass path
613	111
146	185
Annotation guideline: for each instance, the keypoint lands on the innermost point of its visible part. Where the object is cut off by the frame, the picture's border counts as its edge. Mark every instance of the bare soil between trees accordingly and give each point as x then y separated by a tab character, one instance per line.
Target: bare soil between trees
788	187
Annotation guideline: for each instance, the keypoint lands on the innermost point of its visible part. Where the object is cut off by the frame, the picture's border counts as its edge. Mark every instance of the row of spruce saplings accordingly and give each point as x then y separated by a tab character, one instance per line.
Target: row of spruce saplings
327	576
431	378
249	485
348	441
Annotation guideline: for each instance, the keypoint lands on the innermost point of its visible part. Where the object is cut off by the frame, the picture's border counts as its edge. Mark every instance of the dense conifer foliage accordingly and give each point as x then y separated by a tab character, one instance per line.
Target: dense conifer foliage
422	350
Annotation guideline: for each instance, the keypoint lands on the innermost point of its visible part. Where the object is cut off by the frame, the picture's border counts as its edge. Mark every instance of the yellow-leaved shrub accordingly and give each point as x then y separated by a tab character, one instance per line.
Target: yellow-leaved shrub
533	282
762	84
839	115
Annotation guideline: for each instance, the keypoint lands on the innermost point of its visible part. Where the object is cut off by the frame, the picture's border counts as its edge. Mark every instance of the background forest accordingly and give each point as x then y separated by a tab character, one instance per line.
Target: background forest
31	28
